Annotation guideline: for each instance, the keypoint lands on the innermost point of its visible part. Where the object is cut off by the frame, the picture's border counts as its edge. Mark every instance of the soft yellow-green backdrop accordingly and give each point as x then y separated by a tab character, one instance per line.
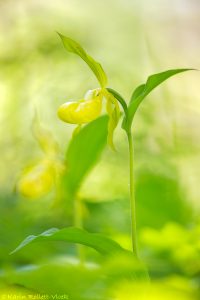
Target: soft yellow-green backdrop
131	39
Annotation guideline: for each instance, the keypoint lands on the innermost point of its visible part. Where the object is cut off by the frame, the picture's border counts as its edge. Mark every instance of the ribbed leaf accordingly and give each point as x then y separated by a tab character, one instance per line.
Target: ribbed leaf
99	242
83	152
72	46
143	90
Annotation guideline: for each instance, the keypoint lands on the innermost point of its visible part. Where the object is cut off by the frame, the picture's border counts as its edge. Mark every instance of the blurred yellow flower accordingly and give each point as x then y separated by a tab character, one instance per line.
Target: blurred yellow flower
37	180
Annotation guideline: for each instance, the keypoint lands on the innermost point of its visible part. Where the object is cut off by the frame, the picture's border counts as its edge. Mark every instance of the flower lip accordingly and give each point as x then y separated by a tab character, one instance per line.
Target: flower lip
82	111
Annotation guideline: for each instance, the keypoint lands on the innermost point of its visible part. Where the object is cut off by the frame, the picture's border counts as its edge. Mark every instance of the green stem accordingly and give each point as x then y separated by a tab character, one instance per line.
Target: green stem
132	195
78	222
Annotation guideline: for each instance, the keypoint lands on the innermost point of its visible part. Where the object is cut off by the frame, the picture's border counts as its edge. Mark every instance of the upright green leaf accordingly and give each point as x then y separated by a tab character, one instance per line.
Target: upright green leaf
99	242
72	46
84	151
143	90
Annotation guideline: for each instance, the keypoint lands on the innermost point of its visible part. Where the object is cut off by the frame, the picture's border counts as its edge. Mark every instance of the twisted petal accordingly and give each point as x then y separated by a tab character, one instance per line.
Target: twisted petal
113	111
44	137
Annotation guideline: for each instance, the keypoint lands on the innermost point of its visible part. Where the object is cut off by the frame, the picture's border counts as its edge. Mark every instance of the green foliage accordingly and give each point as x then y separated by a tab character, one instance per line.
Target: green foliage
91	281
83	152
72	46
177	250
99	242
67	277
159	198
143	90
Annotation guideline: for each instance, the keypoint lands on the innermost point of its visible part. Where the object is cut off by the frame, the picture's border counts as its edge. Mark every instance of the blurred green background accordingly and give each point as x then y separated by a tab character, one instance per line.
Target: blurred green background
132	39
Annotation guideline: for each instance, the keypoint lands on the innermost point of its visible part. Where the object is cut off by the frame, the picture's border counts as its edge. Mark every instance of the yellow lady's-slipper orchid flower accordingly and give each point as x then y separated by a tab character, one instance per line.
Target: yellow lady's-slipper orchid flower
82	111
37	180
86	110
